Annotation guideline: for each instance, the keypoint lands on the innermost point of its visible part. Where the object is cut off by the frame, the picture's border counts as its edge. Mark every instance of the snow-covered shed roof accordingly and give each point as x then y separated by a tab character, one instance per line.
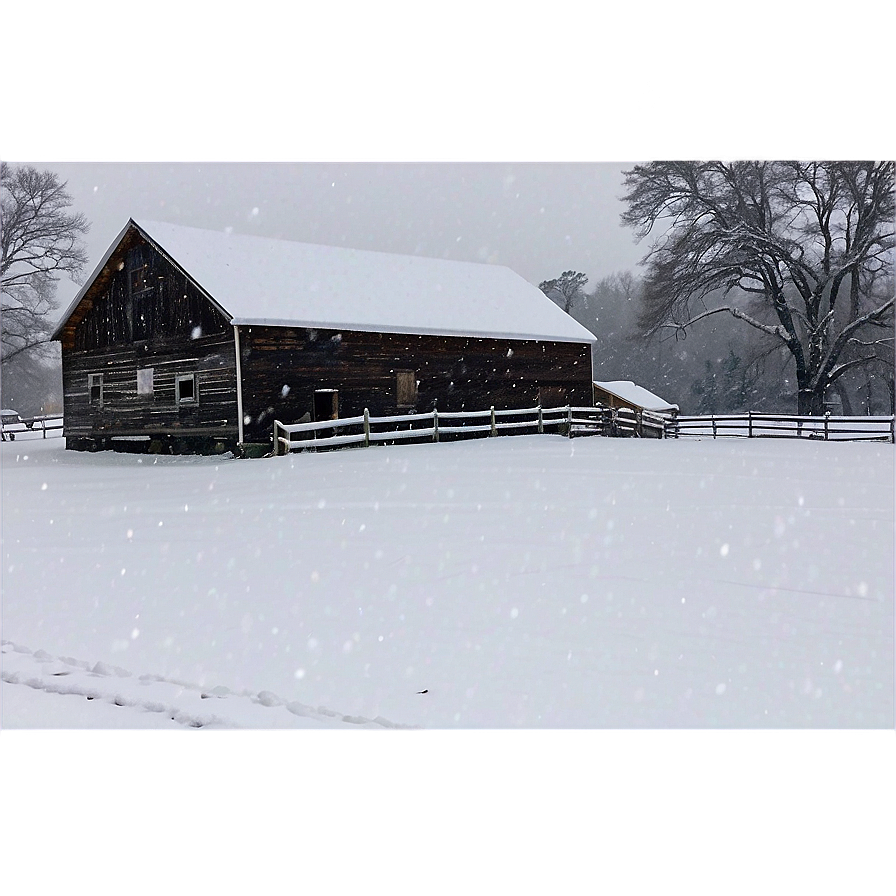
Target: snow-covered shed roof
275	282
636	395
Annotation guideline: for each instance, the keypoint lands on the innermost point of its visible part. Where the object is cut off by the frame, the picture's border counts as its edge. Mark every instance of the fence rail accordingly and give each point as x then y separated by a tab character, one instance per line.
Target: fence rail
48	424
783	426
451	425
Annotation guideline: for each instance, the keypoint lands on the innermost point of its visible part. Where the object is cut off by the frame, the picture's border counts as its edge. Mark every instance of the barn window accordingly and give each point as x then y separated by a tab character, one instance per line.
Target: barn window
95	387
406	388
185	389
144	381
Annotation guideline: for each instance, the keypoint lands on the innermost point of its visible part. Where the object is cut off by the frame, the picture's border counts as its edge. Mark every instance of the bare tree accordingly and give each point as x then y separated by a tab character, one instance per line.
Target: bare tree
39	242
565	289
800	251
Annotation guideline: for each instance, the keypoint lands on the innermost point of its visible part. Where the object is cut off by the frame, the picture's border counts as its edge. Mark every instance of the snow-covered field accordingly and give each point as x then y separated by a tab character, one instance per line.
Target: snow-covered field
528	582
519	582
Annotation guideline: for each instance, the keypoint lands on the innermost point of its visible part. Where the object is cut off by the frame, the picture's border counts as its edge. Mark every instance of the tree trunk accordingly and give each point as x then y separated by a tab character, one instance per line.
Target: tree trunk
869	397
810	402
845	403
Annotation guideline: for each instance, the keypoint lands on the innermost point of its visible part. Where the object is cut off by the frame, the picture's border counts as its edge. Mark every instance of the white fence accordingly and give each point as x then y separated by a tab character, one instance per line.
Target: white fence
783	426
29	429
451	425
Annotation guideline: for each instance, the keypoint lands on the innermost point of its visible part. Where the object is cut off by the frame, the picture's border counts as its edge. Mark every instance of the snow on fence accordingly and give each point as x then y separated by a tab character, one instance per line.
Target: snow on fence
783	426
643	424
449	425
26	429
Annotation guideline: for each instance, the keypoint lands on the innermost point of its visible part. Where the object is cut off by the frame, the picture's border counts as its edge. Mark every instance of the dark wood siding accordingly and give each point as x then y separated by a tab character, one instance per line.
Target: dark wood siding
282	367
126	413
143	298
142	312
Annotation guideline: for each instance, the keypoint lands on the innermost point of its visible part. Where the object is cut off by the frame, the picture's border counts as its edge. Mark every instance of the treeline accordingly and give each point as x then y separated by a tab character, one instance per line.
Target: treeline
799	252
718	366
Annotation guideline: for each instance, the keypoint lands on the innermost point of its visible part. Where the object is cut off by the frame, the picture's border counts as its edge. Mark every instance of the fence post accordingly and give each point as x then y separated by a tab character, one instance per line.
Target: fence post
639	423
827	417
569	420
749	424
276	439
540	420
494	431
435	424
893	429
366	428
713	426
43	426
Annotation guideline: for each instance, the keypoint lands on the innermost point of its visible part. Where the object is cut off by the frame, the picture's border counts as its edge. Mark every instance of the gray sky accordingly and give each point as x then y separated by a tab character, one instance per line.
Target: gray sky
537	218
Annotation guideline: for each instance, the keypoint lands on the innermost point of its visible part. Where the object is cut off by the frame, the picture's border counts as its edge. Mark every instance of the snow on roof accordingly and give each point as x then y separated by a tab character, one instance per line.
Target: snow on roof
637	395
279	282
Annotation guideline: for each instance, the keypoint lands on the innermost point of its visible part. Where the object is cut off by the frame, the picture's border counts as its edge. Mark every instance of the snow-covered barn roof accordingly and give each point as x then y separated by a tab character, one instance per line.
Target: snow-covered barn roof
637	395
262	281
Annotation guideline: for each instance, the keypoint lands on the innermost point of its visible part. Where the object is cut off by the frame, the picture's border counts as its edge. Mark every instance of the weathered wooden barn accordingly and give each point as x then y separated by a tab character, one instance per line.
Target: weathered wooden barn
194	340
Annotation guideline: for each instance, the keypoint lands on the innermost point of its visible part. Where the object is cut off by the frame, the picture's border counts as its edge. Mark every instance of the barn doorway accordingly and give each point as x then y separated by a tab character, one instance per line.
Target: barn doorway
326	404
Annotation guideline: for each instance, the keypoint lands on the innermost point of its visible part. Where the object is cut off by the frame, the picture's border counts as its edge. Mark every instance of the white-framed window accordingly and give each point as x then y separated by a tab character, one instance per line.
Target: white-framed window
95	389
186	390
145	381
405	388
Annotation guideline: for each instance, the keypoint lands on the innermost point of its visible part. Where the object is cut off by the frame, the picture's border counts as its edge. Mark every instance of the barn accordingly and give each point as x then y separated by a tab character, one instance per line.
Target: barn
188	340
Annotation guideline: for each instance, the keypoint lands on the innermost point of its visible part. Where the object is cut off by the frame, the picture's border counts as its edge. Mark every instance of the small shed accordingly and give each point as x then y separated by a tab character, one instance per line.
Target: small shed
626	394
197	340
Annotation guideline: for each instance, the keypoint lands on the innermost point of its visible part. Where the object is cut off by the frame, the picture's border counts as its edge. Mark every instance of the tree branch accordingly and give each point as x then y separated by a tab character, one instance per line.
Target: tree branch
840	369
778	332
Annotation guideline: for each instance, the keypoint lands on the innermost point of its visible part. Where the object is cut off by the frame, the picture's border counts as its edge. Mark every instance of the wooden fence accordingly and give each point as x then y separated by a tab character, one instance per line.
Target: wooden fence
26	429
783	426
438	426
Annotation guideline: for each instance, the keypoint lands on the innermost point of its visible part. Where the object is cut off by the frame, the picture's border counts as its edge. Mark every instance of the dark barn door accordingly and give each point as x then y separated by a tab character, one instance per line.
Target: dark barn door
326	404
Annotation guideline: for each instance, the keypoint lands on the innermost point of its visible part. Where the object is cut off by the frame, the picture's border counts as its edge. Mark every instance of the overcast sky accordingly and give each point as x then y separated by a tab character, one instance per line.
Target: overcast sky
539	219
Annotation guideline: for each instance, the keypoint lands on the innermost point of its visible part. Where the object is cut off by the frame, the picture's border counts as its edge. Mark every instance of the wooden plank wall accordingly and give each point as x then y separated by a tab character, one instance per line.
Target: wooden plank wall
145	313
125	413
282	367
141	297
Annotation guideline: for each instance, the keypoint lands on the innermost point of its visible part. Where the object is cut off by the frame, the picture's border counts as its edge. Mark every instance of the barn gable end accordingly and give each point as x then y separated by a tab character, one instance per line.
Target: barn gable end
140	334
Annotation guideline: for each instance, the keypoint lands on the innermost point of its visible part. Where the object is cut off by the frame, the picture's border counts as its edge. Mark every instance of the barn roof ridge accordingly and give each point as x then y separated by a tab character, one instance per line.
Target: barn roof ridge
278	282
